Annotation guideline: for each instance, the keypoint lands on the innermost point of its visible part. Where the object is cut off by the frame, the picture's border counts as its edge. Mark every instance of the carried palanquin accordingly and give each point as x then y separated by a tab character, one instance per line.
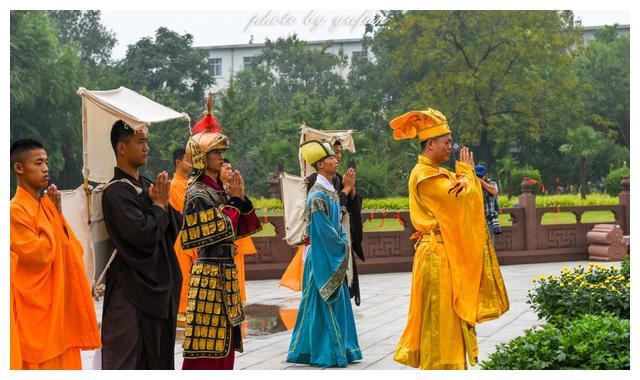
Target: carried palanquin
83	207
294	188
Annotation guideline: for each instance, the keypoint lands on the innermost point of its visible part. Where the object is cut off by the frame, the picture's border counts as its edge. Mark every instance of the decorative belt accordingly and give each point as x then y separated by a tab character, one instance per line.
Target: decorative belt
432	233
217	252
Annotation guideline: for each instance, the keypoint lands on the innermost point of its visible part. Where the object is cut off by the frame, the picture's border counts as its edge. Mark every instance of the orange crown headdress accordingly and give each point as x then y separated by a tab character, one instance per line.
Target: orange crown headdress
423	124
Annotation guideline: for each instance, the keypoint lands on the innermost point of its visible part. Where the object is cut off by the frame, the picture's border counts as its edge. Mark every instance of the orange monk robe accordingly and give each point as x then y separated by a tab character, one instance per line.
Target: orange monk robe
245	247
292	277
185	257
15	355
55	316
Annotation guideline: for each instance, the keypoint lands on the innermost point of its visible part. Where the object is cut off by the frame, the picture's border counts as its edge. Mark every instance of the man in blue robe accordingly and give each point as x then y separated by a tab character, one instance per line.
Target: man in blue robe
325	333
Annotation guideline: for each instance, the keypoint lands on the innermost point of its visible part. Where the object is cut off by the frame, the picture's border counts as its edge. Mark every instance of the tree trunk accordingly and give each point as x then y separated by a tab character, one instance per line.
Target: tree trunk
583	179
484	143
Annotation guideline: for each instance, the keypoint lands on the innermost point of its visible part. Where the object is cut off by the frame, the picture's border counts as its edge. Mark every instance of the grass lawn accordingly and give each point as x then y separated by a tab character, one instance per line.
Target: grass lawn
567	218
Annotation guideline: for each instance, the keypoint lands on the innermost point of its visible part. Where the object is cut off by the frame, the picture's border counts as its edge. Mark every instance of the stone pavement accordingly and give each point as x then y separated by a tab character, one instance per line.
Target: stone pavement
380	319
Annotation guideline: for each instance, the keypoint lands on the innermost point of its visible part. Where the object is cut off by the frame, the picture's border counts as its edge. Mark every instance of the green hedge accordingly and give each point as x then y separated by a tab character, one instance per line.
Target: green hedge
402	203
595	199
517	175
612	182
588	342
596	289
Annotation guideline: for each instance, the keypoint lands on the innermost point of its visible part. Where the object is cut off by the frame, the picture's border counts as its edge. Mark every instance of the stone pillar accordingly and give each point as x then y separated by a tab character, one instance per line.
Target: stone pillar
624	199
528	203
274	183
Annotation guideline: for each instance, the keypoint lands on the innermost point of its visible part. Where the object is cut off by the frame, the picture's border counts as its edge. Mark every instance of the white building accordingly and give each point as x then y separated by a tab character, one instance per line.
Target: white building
225	60
589	32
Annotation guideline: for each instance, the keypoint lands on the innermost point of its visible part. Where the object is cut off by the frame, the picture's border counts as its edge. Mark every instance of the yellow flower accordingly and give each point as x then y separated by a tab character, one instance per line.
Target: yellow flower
534	279
591	286
561	284
541	277
583	283
614	288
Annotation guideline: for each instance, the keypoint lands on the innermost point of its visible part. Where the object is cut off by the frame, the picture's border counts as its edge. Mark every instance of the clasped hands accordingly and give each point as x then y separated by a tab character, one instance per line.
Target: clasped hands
466	156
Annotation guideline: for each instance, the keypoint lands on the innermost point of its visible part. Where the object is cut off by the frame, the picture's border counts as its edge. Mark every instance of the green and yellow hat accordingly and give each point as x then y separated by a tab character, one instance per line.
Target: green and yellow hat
315	150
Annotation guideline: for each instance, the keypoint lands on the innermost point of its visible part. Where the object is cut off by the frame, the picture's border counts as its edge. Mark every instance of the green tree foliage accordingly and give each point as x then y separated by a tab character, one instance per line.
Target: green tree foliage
583	144
84	29
167	63
495	74
604	69
44	77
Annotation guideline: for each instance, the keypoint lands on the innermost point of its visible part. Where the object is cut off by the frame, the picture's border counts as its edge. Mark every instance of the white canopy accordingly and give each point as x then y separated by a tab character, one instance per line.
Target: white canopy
307	133
100	109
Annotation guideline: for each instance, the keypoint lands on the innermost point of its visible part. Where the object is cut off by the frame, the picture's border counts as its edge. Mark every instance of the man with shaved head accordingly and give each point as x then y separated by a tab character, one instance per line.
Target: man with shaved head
52	311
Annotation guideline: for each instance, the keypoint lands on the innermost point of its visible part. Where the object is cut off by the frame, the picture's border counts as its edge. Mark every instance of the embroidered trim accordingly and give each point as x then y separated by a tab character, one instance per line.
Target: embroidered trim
336	279
318	187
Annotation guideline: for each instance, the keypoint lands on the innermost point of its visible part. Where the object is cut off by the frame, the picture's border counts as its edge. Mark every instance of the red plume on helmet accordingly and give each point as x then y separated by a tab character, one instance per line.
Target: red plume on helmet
209	123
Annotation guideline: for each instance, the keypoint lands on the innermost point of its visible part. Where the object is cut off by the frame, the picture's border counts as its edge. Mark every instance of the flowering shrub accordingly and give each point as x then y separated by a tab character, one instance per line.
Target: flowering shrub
588	342
595	289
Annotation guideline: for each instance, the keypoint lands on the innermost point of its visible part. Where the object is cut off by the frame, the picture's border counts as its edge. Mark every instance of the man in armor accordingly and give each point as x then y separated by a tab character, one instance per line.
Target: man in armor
213	219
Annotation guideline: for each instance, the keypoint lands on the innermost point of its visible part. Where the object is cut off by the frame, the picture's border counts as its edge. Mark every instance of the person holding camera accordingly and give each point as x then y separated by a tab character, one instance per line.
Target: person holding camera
490	195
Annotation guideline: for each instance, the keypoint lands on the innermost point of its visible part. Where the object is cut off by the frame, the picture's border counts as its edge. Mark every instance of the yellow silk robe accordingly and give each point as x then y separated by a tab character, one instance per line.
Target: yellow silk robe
456	281
186	257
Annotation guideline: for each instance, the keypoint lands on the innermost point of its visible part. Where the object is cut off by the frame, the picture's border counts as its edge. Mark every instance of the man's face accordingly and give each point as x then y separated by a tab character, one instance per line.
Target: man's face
183	166
441	148
136	150
329	165
215	160
337	149
226	172
34	169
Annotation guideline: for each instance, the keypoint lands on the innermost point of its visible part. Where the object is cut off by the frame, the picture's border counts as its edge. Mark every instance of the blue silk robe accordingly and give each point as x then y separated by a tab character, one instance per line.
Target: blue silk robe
325	331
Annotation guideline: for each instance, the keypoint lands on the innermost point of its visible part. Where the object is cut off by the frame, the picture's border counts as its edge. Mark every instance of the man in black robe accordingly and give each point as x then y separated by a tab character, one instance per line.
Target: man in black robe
143	281
345	185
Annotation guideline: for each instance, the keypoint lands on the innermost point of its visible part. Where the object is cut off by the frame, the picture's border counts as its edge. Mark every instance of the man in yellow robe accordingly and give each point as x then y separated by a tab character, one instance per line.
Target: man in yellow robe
186	257
52	304
456	281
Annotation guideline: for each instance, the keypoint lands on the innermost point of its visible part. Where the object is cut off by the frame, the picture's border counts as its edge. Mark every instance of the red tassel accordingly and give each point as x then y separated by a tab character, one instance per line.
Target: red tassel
208	124
384	215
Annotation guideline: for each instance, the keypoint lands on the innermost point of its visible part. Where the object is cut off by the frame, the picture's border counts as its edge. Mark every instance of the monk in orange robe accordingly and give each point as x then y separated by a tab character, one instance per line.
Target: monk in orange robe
15	354
53	308
244	245
186	257
456	281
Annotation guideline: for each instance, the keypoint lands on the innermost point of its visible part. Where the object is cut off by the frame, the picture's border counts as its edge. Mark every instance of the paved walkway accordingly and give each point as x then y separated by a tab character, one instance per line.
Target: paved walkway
380	319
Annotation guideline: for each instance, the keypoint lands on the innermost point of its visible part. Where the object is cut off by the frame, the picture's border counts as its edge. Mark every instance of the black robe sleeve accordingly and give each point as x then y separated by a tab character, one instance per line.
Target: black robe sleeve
143	235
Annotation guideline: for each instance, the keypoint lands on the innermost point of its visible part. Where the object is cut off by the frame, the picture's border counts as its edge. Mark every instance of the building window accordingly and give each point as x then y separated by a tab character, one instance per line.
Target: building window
247	61
360	54
215	67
